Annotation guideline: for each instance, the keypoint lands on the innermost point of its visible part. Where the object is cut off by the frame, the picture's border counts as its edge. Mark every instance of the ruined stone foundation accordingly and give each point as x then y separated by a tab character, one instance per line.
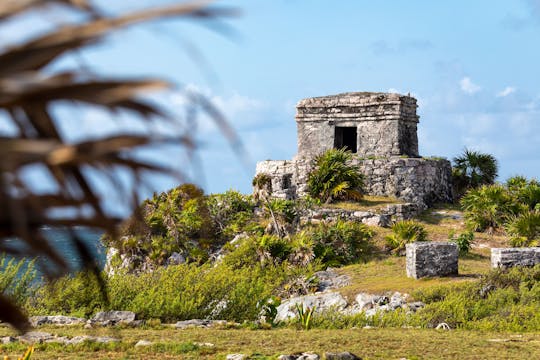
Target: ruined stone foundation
415	180
380	130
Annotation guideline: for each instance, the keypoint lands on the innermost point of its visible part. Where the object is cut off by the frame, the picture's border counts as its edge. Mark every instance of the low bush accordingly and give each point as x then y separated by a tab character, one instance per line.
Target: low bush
524	229
17	279
180	292
231	212
463	241
405	232
341	242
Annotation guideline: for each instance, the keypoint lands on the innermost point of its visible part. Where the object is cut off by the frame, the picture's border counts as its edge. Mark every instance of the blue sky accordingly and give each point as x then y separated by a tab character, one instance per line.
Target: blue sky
473	66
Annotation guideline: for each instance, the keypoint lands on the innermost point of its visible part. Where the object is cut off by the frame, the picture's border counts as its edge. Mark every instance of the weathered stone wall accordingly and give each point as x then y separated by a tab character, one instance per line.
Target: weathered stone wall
386	123
510	257
428	259
414	180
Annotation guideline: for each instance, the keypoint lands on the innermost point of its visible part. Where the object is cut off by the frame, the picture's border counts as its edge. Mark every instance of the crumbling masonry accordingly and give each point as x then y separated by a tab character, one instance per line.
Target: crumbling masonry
381	130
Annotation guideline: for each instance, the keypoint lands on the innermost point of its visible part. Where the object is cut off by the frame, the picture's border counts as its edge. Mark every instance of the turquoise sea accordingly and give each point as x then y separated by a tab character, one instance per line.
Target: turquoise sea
60	240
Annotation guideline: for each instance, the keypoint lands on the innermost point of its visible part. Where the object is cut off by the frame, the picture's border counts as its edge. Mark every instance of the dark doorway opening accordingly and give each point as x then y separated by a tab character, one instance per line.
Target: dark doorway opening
345	137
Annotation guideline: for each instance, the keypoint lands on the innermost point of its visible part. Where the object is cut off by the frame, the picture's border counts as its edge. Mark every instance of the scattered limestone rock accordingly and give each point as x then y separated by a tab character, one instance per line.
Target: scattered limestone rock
303	356
56	320
204	344
35	337
143	343
176	259
86	338
7	340
330	279
236	357
38	337
106	318
443	326
201	323
345	355
321	302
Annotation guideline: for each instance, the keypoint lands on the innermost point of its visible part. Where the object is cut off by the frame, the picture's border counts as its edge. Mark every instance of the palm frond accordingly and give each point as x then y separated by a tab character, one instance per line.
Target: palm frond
29	91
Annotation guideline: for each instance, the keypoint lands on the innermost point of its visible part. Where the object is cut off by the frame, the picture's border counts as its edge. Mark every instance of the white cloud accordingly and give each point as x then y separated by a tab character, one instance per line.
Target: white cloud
468	86
507	91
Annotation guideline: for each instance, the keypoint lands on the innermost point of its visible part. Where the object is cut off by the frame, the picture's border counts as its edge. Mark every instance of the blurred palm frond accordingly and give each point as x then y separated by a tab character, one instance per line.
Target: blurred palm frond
29	91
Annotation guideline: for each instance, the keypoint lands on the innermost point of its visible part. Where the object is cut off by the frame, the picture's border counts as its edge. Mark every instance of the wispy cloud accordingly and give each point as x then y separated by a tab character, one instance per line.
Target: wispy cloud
507	91
468	86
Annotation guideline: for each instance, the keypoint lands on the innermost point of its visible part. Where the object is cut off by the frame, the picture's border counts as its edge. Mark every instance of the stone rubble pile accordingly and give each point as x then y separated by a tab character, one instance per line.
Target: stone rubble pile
369	304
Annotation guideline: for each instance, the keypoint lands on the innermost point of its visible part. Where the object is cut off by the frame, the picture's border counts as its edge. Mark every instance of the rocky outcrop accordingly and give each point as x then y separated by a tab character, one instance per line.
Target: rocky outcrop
511	257
329	279
200	323
111	318
430	259
38	337
369	304
60	320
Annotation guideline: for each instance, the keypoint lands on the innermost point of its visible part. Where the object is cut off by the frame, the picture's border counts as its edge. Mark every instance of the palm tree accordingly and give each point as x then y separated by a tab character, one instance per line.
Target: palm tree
334	177
30	89
473	169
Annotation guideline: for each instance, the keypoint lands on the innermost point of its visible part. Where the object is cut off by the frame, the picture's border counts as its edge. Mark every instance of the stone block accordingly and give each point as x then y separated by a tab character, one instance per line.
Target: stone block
510	257
428	259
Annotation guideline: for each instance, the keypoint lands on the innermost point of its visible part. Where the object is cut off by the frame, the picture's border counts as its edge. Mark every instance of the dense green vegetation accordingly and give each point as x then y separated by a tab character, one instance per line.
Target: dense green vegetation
245	253
513	207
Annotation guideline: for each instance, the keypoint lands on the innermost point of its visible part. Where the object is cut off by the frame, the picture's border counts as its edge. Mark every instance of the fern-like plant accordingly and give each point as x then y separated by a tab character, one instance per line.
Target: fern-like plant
334	178
524	229
487	207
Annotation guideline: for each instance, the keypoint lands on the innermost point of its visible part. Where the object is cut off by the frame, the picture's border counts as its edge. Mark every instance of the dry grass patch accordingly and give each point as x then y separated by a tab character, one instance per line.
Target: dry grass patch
367	343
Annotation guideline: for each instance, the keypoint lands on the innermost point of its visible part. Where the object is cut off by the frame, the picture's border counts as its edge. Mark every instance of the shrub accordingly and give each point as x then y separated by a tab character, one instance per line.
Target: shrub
175	221
77	295
404	232
262	186
231	212
273	248
178	292
340	243
333	178
463	241
17	279
473	169
524	229
487	207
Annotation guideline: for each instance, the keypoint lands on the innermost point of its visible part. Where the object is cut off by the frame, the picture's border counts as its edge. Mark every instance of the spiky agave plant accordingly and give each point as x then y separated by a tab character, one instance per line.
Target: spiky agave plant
30	91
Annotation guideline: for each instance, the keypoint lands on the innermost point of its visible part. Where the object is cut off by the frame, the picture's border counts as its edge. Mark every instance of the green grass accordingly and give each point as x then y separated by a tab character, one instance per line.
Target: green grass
367	343
388	274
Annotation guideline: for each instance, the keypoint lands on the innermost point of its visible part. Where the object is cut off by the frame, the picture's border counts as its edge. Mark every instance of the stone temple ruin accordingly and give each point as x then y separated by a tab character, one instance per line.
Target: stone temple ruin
381	130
